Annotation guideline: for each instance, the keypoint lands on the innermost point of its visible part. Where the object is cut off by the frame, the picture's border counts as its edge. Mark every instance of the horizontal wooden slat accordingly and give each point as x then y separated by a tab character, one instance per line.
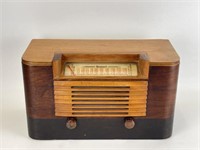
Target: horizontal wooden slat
139	89
99	83
137	97
62	92
63	88
94	109
59	88
79	88
68	93
64	106
105	101
134	102
89	98
98	98
101	89
98	94
101	115
110	93
103	110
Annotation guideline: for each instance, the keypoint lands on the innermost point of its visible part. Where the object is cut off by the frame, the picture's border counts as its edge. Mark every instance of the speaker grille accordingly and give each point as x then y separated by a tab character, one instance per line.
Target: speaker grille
100	98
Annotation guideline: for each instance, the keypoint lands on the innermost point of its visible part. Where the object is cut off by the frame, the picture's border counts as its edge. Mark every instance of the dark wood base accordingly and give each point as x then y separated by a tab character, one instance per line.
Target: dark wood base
99	128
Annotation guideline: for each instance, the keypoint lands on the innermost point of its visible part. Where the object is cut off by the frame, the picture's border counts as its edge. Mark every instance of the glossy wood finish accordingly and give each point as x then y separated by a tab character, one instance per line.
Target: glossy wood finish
52	97
71	101
38	83
162	91
40	52
38	86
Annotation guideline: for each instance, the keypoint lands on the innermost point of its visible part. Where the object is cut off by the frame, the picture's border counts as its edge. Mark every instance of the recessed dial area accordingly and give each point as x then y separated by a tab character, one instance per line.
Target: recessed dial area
100	69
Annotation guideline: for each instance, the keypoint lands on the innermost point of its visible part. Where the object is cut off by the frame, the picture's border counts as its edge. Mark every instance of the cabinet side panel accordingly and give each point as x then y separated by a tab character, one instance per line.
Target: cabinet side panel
162	91
38	87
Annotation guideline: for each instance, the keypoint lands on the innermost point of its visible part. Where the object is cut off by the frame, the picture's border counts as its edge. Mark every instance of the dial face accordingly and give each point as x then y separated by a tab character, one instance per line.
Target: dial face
100	69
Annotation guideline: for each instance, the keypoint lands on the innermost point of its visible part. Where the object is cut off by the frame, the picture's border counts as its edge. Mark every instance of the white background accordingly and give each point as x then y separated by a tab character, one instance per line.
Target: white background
22	21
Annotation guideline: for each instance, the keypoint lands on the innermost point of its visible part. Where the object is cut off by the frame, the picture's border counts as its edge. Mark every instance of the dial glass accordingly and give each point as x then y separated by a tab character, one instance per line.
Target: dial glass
100	69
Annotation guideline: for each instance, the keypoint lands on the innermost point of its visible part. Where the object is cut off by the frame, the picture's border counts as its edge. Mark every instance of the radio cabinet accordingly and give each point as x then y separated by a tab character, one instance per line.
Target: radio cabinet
100	89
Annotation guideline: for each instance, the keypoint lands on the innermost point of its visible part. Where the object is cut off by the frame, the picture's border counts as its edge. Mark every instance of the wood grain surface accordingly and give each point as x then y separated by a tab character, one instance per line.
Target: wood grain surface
40	52
81	103
39	91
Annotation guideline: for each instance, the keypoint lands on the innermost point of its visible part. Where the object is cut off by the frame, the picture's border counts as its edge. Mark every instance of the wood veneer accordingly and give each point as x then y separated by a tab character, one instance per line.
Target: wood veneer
39	91
52	97
74	102
40	52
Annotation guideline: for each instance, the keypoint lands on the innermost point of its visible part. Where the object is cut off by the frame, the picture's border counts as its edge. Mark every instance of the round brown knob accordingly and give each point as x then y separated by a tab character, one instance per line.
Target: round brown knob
129	123
71	123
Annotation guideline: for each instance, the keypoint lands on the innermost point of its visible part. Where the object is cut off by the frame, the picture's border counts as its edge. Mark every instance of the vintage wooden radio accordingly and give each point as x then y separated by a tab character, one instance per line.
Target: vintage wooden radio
100	89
